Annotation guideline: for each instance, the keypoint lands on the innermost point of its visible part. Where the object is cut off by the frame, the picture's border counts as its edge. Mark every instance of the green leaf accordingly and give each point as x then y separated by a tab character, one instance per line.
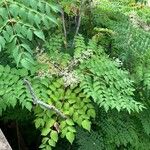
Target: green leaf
71	111
9	30
6	35
54	135
28	106
50	123
55	8
44	140
41	7
45	131
57	84
71	129
70	122
37	20
27	47
51	142
7	69
48	147
12	101
91	112
39	122
23	72
53	19
86	125
3	13
66	106
17	28
29	34
29	58
1	68
17	55
47	9
33	4
31	18
40	35
26	63
46	22
62	124
75	116
2	42
22	13
42	146
70	137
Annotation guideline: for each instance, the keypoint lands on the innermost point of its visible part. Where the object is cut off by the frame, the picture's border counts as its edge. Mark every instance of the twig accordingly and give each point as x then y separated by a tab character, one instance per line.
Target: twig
78	25
40	102
64	27
77	29
80	16
79	20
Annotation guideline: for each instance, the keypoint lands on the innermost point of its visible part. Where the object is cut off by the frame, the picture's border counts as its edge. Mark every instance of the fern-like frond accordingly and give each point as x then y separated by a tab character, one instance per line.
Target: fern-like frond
21	23
108	85
13	91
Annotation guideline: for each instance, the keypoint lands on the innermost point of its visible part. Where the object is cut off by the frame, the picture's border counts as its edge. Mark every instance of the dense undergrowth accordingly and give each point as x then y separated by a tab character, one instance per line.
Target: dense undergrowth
78	70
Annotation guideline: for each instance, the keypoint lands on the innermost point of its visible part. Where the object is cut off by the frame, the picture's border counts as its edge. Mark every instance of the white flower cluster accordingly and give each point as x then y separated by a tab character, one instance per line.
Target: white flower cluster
85	55
68	74
95	3
42	74
137	22
70	78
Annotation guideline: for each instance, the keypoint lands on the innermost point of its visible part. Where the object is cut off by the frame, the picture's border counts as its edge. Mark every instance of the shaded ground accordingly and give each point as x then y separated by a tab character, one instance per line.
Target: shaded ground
20	137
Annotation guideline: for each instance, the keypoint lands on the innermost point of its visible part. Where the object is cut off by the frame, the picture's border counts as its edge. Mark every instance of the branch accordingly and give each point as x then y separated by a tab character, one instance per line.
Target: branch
40	102
79	20
78	25
64	27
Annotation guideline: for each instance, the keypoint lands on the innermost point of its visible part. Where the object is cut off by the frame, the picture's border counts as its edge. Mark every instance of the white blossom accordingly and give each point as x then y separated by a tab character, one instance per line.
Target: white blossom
70	78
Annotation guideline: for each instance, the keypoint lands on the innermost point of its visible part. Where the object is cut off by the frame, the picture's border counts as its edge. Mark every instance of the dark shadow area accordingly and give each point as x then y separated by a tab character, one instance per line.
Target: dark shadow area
23	137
